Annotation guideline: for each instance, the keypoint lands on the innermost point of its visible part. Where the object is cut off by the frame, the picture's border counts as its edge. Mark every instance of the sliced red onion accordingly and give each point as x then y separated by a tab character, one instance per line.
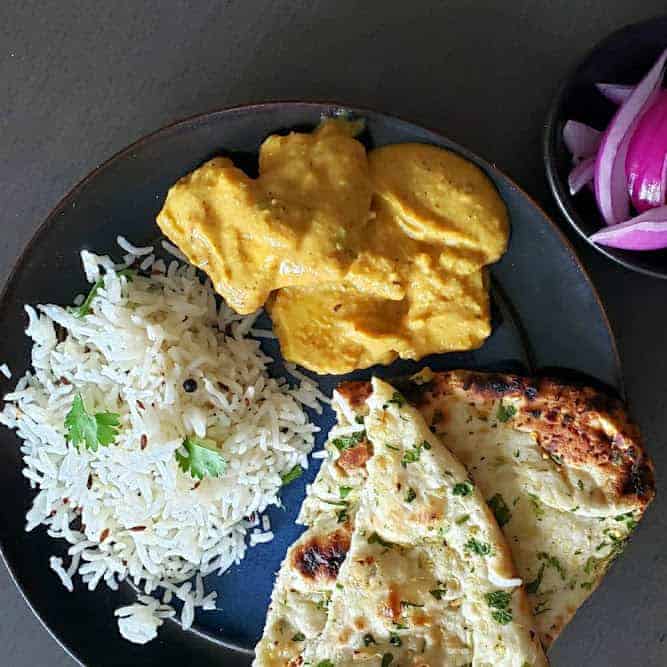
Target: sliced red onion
581	174
647	231
615	92
581	140
646	161
610	184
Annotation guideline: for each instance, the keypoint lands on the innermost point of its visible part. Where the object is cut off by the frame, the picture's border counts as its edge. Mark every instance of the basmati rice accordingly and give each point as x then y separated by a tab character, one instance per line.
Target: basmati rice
127	510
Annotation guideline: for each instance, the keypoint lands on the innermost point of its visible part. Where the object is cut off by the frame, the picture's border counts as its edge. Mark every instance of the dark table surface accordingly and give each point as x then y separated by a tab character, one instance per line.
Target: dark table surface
80	80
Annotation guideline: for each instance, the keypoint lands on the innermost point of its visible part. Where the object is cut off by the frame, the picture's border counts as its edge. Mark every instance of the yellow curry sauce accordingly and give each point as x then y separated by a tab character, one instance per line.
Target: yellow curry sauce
299	223
365	258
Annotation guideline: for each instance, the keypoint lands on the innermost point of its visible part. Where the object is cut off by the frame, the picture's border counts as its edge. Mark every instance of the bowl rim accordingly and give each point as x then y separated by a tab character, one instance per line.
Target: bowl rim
549	141
184	122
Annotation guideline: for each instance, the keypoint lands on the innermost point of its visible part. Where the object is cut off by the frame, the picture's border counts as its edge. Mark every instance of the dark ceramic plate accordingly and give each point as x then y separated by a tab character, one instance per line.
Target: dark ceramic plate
623	57
546	315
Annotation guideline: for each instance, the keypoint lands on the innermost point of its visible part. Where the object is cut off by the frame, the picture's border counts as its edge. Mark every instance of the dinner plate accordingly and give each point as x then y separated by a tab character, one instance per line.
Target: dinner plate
546	318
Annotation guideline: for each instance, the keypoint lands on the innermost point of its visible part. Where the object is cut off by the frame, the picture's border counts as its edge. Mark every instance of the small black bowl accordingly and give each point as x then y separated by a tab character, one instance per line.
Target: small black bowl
623	57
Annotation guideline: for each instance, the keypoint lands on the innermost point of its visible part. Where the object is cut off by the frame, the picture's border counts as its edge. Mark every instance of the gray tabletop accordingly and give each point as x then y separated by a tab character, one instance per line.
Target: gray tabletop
80	80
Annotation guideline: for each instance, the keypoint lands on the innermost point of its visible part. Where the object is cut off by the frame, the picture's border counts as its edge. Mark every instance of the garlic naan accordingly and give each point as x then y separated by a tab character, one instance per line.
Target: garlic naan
428	578
307	577
561	466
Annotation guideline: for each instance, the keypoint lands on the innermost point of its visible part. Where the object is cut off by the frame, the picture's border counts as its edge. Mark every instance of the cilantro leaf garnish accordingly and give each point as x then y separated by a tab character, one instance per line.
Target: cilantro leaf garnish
324	602
502	616
348	441
533	586
462	489
407	603
299	637
628	518
500	509
410	495
499	601
438	593
84	308
107	427
344	491
397	399
413	455
90	430
477	547
292	474
505	412
538	510
202	459
552	561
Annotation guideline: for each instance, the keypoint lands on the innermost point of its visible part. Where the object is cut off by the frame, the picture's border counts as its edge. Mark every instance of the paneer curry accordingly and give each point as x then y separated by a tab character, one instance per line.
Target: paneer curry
360	258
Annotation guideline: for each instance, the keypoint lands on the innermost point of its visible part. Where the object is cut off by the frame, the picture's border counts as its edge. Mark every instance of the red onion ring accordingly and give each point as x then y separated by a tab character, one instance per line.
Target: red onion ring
646	161
610	184
581	175
615	92
581	140
647	231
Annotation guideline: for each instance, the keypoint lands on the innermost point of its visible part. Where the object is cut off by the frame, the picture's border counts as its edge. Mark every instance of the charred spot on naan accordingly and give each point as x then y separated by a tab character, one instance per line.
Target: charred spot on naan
355	458
355	393
584	427
494	386
574	424
320	557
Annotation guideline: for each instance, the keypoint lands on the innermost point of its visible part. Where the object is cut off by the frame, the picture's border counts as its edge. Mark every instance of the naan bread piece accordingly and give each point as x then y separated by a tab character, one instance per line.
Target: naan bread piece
428	579
307	576
561	466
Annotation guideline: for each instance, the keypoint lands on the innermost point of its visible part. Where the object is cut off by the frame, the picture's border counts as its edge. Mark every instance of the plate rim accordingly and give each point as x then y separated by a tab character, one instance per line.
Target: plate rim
278	104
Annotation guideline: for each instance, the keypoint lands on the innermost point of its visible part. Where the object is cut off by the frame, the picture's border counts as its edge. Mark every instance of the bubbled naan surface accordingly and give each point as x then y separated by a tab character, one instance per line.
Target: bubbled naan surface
561	465
423	561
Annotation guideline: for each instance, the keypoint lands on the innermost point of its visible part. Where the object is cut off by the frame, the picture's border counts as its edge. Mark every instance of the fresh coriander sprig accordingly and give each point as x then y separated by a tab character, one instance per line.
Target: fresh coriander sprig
347	441
499	602
202	458
90	430
500	509
84	308
292	474
505	412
